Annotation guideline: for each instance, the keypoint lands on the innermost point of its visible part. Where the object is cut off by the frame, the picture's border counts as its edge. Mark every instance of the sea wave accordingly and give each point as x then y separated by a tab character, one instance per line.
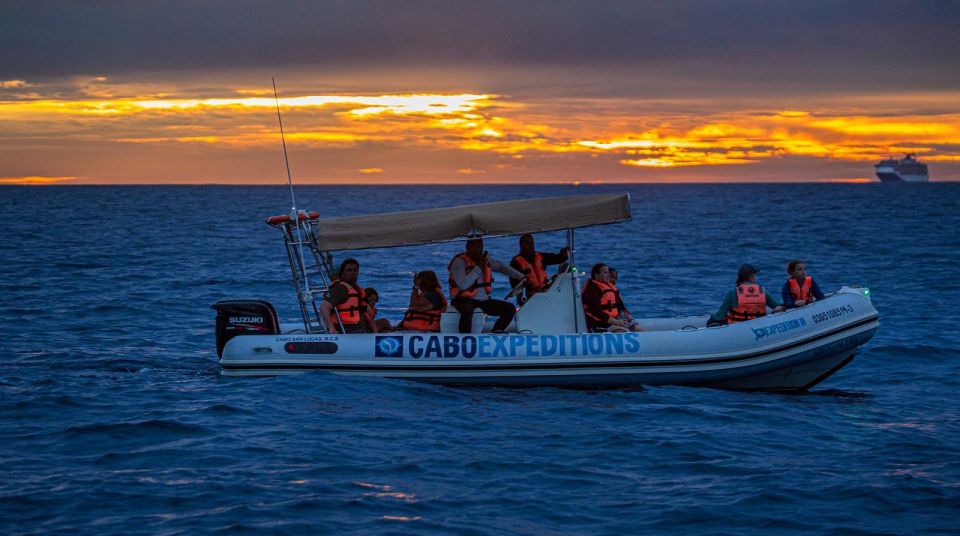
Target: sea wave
115	418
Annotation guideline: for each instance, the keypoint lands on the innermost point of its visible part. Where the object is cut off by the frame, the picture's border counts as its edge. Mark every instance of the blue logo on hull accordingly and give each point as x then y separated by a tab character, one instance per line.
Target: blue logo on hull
389	346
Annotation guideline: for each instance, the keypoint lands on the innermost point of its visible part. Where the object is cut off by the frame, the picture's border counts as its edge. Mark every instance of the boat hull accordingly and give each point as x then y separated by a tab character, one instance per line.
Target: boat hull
892	176
906	169
792	351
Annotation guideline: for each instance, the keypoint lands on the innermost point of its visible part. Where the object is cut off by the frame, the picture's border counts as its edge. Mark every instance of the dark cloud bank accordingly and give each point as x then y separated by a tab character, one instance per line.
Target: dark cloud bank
915	43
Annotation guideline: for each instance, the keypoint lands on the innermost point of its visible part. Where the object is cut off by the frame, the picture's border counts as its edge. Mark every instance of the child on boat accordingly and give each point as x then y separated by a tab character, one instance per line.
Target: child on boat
381	324
799	289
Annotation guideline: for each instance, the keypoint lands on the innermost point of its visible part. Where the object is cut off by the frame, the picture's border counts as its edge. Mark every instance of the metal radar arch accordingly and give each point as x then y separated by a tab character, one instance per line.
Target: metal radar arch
311	271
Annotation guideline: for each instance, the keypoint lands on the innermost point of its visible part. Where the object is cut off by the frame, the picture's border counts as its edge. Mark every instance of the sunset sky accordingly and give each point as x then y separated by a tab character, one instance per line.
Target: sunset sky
169	92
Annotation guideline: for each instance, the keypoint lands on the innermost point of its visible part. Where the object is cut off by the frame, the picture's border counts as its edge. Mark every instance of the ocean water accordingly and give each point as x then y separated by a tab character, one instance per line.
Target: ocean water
114	418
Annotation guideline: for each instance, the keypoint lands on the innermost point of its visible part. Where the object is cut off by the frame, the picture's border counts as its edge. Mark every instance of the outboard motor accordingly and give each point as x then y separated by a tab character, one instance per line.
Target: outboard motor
244	317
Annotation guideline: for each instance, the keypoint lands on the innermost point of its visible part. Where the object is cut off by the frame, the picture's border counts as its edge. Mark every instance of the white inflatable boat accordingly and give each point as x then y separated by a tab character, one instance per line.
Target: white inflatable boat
548	344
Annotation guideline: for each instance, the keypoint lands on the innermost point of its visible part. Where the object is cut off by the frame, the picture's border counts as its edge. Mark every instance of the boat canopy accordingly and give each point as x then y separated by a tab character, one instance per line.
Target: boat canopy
502	218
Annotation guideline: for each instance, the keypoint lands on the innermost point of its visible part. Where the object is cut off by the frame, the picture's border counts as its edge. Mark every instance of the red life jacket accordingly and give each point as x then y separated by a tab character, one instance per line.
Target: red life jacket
608	300
425	320
800	292
536	274
352	308
751	303
486	281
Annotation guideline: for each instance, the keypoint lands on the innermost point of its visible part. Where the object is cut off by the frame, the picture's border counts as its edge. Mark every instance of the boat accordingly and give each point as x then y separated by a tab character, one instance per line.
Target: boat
906	169
548	343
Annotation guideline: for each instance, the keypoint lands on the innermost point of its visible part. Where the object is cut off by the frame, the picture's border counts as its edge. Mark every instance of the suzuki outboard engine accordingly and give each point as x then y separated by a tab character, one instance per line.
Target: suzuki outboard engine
244	317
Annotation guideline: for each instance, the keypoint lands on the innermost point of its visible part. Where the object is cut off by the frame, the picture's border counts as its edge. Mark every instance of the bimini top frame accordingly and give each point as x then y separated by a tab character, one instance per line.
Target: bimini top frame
503	218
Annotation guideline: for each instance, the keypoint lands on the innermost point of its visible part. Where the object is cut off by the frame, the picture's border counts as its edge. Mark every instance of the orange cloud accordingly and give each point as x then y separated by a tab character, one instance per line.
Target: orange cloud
35	180
454	128
749	138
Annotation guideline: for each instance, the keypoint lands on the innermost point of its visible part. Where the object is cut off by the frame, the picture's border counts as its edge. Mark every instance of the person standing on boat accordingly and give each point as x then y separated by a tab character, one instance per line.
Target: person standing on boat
602	304
533	264
346	299
800	289
471	286
746	301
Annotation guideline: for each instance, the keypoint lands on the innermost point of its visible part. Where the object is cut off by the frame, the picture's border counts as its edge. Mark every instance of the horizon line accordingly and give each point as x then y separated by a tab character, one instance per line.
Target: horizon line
470	184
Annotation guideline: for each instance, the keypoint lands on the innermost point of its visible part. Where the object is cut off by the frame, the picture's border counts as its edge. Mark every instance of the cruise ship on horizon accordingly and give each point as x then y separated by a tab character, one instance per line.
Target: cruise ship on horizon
906	169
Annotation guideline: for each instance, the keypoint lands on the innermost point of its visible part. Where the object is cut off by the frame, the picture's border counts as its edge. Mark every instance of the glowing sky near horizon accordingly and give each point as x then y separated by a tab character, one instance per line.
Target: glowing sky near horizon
429	118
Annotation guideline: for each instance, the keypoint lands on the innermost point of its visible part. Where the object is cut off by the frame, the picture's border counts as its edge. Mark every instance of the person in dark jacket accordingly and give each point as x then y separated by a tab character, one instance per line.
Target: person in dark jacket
533	263
746	301
346	304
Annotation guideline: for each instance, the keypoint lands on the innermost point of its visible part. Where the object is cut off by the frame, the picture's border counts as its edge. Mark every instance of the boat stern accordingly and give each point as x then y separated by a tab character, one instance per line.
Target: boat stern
244	317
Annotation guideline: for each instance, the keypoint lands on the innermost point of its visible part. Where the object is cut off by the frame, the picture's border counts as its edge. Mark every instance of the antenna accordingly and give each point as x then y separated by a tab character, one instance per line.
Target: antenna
293	202
301	227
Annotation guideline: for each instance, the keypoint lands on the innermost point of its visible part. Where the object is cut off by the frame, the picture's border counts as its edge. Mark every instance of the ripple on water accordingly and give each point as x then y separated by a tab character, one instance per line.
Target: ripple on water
153	430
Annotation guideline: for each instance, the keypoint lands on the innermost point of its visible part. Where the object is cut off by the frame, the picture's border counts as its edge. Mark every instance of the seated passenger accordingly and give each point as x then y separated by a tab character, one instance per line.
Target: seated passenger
346	302
471	286
533	264
427	303
381	324
800	289
746	301
601	306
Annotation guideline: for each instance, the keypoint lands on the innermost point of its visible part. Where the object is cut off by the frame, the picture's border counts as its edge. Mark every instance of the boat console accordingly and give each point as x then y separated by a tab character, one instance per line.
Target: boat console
557	309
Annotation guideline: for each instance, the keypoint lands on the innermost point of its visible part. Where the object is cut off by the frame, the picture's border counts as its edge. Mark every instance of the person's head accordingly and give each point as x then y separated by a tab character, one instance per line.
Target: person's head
475	248
527	245
427	280
349	270
797	269
747	274
600	272
371	295
613	275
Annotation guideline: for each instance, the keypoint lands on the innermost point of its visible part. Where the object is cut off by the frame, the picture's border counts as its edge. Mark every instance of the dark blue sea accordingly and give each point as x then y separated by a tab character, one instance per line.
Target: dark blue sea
114	418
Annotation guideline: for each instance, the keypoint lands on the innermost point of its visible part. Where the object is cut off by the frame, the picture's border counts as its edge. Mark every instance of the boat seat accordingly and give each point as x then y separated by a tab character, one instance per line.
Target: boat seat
450	321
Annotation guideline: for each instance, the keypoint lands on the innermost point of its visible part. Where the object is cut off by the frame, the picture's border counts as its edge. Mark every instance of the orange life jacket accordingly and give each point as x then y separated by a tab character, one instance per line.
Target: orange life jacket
801	292
608	300
536	274
751	303
425	320
486	281
370	314
353	308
